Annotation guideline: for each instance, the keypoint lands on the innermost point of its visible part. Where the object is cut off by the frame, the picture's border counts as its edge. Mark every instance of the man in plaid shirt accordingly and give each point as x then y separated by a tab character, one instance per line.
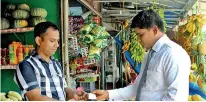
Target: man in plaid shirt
39	75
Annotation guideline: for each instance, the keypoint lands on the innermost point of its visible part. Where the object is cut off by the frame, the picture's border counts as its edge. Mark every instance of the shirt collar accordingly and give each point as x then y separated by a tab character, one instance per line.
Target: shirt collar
35	54
157	46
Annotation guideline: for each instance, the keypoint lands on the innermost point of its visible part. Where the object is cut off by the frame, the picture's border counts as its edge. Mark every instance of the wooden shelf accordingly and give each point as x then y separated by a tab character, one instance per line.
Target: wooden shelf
16	30
8	67
90	7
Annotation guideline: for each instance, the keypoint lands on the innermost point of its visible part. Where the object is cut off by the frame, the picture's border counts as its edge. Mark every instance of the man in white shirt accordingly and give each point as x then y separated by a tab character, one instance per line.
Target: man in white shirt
164	74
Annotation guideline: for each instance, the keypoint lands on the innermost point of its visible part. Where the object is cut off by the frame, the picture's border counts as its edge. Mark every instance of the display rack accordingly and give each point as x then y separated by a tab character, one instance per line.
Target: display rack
8	67
110	65
16	30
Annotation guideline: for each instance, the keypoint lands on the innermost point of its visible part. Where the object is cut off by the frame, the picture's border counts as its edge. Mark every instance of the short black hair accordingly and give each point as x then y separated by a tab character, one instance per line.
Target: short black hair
147	19
42	27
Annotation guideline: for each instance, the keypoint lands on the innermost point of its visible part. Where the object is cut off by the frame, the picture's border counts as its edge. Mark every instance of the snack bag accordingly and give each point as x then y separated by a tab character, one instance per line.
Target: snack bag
94	52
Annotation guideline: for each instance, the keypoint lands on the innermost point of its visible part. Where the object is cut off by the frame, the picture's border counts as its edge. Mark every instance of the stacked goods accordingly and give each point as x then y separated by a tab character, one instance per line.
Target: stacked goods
85	47
195	24
23	7
21	15
95	37
75	23
4	23
94	52
6	15
38	16
198	49
11	96
86	28
17	52
18	15
190	37
7	10
4	56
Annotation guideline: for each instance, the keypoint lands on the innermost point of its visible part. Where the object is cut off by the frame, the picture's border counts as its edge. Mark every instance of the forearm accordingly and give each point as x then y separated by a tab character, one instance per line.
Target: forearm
69	93
41	98
125	93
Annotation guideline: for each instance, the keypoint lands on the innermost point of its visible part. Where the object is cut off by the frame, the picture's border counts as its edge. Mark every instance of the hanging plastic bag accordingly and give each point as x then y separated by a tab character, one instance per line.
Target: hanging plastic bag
104	35
81	41
94	52
85	29
80	38
101	43
88	38
97	30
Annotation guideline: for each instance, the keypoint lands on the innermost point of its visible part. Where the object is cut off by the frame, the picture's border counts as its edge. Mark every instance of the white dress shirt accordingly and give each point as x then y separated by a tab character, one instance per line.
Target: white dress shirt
167	75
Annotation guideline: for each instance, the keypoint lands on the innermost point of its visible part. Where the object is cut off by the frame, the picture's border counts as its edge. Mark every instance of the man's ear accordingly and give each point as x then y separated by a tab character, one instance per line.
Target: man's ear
38	40
154	28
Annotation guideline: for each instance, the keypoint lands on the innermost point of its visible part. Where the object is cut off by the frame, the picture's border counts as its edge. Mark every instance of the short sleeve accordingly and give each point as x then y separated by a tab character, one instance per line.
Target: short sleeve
26	77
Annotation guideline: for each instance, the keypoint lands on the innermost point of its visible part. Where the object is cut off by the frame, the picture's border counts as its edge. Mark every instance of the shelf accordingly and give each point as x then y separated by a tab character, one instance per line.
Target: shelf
16	30
109	27
8	67
90	7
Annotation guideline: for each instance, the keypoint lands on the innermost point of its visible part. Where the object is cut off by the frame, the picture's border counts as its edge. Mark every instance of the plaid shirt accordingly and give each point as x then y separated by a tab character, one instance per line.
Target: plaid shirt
34	72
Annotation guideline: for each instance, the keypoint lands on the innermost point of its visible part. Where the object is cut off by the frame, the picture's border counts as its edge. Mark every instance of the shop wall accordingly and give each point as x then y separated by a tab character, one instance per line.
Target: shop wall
53	8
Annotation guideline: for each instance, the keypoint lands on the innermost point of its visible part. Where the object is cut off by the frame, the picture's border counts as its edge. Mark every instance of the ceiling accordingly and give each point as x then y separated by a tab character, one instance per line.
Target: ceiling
112	10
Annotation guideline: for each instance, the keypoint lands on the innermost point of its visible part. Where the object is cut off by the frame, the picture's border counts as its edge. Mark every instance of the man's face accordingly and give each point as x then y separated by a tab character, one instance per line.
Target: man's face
49	42
147	37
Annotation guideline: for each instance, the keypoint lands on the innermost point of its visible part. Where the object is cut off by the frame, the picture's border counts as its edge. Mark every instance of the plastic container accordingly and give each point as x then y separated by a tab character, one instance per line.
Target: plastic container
26	51
20	53
12	53
31	48
4	56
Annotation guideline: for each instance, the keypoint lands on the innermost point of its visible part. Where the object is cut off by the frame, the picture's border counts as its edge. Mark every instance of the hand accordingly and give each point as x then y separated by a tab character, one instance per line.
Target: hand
101	94
80	95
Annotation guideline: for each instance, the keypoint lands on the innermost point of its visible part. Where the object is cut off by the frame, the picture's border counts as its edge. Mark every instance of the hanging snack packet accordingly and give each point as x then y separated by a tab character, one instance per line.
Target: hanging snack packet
97	30
81	41
101	43
104	35
94	52
80	38
88	38
85	29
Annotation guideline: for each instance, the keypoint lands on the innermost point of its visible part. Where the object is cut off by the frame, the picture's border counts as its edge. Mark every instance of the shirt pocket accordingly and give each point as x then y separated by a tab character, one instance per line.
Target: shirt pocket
152	80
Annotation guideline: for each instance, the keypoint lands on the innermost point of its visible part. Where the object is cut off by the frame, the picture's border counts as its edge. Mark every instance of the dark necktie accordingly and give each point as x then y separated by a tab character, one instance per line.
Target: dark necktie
144	75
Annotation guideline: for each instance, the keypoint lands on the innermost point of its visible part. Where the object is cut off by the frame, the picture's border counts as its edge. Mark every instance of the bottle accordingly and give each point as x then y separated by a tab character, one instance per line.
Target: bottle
26	51
20	54
4	56
31	48
16	44
12	53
